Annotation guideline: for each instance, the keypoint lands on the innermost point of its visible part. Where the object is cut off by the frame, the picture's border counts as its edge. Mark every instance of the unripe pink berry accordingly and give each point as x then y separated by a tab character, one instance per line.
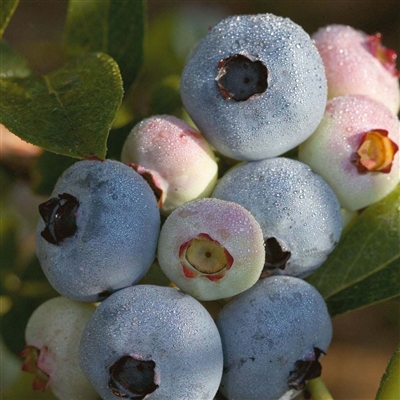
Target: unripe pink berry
174	158
356	63
53	334
355	149
211	249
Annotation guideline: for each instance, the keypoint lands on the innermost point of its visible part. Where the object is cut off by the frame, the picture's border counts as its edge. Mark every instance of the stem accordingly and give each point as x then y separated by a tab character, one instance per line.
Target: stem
318	390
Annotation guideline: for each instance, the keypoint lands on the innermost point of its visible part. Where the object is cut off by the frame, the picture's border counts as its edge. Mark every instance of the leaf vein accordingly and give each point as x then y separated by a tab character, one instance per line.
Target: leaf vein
363	277
366	243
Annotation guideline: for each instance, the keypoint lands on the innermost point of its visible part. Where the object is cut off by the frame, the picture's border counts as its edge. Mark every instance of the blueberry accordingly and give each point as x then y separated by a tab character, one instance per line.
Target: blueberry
355	149
152	342
174	157
211	249
298	212
356	63
99	231
273	336
255	86
52	335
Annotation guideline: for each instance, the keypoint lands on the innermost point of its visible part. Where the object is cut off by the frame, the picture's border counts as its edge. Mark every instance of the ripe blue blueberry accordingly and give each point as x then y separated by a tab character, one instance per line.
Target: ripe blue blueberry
298	212
152	342
272	336
99	231
255	86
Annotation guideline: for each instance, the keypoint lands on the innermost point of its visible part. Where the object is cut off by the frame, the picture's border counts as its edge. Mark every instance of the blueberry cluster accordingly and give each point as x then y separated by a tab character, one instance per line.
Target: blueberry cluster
257	87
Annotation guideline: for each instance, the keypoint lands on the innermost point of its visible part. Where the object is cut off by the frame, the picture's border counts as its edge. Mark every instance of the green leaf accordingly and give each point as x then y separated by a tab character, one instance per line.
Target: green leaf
12	64
6	183
8	248
166	98
389	388
116	140
48	168
22	389
7	8
365	266
10	367
155	276
68	111
112	27
14	322
380	286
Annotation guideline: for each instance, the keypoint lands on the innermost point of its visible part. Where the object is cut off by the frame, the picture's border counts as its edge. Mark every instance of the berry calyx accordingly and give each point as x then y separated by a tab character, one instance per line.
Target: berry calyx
375	152
305	370
59	215
132	378
206	257
33	357
153	179
387	57
240	78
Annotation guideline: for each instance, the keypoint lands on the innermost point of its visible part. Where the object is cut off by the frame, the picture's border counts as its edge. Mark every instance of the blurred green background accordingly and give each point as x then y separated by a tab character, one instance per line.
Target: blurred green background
363	340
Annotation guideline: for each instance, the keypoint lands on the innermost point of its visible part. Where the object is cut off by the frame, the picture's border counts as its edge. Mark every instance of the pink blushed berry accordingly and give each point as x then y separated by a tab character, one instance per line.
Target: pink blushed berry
52	335
211	249
356	63
174	158
355	149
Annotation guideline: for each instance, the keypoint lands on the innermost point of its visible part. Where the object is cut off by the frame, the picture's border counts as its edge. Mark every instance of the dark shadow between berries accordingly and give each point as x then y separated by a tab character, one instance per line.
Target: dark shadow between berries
275	257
